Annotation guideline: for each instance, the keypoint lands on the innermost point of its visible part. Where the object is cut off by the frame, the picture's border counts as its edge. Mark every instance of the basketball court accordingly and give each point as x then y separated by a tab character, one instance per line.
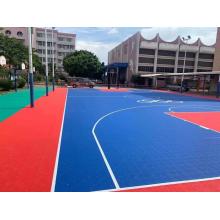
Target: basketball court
101	140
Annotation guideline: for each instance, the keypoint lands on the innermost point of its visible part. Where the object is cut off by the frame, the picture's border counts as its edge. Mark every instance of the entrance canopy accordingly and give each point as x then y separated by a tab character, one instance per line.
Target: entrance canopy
117	65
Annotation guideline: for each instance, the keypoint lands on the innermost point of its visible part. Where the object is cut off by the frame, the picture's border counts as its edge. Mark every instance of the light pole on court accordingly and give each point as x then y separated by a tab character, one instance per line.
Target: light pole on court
53	80
31	85
185	40
46	62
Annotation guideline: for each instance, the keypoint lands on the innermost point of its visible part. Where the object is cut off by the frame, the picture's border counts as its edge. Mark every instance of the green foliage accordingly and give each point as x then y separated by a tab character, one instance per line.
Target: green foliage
82	63
38	77
16	53
24	75
4	72
5	84
21	82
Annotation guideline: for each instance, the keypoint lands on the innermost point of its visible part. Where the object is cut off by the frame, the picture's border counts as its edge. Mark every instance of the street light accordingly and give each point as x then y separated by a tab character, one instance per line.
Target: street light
46	63
185	40
30	67
53	80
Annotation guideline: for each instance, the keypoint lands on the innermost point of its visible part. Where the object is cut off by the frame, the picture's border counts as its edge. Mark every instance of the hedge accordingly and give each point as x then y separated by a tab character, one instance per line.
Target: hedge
5	84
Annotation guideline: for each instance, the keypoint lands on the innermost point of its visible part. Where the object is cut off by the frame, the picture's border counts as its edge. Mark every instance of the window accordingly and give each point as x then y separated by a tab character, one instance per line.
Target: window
39	51
41	43
205	64
19	34
206	56
40	35
187	62
146	60
69	39
167	53
165	69
49	44
146	68
166	61
8	32
146	51
60	38
188	54
202	70
186	70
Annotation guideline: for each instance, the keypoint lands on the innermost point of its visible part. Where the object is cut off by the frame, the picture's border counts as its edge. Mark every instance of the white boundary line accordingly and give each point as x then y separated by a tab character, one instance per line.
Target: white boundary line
205	107
100	147
162	184
58	150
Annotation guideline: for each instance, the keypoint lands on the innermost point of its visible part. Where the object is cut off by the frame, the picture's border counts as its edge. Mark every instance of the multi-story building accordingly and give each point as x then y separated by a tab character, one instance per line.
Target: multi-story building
153	56
64	43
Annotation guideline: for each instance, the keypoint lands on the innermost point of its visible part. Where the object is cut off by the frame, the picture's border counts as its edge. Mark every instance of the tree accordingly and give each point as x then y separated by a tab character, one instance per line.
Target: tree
82	63
16	53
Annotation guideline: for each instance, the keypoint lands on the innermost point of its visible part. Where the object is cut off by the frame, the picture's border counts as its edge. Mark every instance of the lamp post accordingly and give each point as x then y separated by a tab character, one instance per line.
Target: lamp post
46	62
53	80
30	68
185	40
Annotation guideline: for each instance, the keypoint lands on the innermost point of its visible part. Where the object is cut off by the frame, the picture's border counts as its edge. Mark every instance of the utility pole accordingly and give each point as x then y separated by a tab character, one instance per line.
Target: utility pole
31	84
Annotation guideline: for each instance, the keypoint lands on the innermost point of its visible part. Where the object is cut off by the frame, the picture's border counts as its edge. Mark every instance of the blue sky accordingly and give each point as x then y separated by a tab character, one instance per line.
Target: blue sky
100	40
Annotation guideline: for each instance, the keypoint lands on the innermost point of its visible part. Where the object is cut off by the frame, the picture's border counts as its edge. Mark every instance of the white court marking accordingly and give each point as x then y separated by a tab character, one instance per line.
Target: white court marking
162	184
120	110
99	145
144	101
205	107
58	150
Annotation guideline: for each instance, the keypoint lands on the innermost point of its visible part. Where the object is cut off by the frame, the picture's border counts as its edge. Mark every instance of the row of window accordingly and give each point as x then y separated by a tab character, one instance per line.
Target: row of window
8	33
63	53
173	53
42	43
39	34
65	47
168	69
41	51
65	39
49	35
50	60
172	62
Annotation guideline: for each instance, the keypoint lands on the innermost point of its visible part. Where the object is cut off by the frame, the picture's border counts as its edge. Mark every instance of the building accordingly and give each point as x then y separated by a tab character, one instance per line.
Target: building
64	43
144	56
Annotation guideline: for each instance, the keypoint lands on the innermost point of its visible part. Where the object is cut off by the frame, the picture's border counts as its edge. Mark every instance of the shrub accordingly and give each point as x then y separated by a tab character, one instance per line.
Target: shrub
4	72
5	84
38	77
21	82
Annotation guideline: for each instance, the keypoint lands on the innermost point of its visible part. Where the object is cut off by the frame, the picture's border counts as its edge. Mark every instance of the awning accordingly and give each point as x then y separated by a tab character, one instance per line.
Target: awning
117	65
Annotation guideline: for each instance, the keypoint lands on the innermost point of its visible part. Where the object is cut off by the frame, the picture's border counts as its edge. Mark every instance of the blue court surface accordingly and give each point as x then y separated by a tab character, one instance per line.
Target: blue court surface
114	140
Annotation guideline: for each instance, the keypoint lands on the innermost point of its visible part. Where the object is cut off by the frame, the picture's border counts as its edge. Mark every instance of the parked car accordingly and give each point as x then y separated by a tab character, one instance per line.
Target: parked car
81	82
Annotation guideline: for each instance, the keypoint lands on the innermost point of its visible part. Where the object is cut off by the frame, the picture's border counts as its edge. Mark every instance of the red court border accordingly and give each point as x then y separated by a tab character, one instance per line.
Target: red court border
29	141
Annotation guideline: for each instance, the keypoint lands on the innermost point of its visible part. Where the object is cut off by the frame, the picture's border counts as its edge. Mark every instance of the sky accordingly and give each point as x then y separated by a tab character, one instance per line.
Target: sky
100	40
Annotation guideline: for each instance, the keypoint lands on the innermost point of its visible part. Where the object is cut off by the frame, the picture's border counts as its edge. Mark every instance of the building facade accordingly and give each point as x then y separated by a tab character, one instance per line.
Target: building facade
64	43
145	56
